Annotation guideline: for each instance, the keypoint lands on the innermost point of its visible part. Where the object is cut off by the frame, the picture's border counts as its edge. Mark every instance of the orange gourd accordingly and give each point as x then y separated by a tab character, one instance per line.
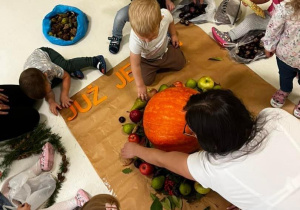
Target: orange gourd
164	120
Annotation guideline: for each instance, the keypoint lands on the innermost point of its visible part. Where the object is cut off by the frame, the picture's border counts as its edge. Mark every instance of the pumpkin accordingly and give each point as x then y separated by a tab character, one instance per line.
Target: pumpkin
164	120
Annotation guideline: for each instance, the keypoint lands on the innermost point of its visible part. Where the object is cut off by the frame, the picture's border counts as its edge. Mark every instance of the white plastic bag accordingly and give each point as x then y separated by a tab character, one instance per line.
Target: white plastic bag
26	187
208	16
251	43
228	12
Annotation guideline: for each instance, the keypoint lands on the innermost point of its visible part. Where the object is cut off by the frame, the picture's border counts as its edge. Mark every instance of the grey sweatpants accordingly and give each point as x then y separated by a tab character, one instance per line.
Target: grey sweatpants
251	22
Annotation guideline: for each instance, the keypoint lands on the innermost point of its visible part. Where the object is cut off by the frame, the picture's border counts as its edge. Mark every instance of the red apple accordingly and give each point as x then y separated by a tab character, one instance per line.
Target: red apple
146	168
178	84
134	138
136	115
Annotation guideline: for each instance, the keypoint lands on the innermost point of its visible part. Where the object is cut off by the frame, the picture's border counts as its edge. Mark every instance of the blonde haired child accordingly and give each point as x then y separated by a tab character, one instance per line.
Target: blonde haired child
283	38
149	43
120	20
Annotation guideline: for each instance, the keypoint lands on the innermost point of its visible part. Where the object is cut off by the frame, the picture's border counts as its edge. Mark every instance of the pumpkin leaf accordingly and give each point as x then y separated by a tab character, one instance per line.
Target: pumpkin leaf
156	205
166	204
127	170
153	196
216	59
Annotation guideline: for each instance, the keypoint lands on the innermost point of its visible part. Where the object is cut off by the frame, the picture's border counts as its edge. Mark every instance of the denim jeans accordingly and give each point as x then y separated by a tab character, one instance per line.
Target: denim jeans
4	201
122	17
120	20
286	76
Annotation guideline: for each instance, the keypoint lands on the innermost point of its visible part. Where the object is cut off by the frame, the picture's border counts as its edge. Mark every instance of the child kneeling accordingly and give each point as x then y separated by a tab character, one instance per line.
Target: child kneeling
149	44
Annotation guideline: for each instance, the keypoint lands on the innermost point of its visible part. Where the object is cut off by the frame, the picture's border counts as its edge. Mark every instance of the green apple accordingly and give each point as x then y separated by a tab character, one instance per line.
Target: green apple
185	188
200	189
162	87
158	182
191	83
206	83
217	87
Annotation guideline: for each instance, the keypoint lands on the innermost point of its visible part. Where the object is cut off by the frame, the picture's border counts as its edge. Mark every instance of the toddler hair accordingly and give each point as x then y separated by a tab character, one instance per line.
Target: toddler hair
33	83
98	202
144	17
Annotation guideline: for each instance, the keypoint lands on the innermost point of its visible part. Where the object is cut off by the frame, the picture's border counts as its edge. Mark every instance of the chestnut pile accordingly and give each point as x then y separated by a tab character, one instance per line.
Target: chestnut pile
191	11
64	26
250	50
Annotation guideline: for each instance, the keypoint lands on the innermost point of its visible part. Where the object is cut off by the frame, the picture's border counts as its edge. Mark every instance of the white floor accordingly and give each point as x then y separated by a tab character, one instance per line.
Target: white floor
21	33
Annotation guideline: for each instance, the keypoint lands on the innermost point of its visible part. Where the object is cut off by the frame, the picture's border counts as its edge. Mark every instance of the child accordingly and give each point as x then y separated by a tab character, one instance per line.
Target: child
98	202
251	22
283	38
150	48
119	23
45	68
44	164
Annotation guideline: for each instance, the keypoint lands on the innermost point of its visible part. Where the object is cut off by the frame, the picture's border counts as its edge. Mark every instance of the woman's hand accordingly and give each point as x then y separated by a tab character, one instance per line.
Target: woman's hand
3	98
3	107
128	151
24	206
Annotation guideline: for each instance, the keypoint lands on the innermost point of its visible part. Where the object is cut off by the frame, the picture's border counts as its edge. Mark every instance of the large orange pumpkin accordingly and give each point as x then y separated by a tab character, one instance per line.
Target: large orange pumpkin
164	120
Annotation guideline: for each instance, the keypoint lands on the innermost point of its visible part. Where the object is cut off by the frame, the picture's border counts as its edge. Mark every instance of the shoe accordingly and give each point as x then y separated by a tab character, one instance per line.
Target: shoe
81	197
278	99
222	38
100	63
114	45
297	110
77	74
47	157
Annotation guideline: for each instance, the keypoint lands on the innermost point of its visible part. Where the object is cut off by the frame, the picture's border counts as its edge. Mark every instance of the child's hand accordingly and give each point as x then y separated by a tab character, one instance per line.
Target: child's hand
24	206
65	101
269	53
200	1
170	5
142	93
53	107
128	150
175	41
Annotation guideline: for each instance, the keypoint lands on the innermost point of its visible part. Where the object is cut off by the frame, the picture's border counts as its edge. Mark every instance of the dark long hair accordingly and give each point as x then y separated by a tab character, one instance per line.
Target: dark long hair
221	122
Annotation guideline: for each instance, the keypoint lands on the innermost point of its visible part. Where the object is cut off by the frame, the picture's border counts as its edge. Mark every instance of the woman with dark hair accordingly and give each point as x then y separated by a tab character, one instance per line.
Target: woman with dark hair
17	115
254	163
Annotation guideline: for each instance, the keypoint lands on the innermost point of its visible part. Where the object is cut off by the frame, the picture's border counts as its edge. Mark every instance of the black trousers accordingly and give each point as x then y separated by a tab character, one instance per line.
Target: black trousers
21	117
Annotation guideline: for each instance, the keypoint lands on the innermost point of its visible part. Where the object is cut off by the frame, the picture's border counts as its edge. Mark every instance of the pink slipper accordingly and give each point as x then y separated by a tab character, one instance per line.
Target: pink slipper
47	157
81	197
297	110
222	38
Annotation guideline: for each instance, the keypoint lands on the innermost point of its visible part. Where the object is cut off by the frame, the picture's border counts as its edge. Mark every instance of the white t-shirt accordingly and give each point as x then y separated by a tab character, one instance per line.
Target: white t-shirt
157	47
269	178
40	60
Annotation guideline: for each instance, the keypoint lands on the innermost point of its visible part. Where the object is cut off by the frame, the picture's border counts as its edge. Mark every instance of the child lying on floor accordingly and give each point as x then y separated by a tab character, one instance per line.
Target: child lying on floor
44	164
45	68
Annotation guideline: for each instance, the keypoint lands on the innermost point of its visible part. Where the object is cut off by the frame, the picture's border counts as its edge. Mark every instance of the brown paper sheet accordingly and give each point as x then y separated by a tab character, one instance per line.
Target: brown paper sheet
99	132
